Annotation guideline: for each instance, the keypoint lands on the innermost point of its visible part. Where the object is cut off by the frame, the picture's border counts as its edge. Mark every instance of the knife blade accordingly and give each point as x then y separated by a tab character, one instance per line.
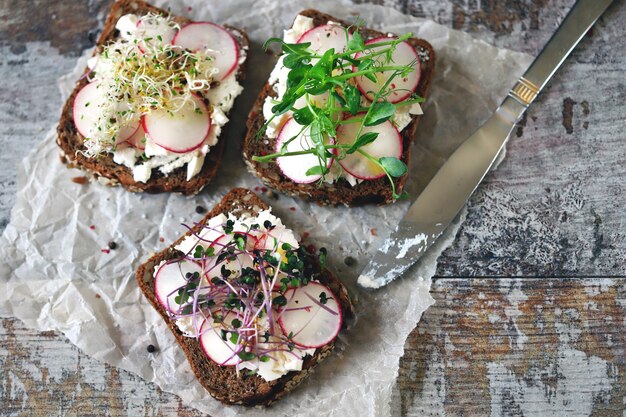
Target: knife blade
454	183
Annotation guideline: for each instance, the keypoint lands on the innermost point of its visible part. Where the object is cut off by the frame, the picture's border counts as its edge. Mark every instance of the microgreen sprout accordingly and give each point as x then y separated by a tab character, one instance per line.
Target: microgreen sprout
334	73
138	76
243	288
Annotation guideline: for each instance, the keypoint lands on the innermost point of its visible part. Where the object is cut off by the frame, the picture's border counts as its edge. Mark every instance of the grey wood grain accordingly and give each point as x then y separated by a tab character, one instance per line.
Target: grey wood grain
554	207
506	347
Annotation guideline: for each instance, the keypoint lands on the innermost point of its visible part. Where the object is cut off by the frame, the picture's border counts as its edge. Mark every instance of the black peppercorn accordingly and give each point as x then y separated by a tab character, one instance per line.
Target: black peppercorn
350	261
151	349
112	245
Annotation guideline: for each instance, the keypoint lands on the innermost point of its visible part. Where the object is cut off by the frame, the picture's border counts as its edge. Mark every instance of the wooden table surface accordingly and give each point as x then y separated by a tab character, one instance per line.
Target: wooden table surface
500	340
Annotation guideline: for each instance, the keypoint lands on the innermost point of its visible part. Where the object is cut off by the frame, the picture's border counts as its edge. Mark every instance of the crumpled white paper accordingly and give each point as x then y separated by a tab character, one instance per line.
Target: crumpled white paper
56	276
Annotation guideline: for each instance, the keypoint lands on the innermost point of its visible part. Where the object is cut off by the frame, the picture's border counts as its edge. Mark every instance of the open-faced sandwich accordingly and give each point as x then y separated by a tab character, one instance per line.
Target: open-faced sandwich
336	119
149	113
251	307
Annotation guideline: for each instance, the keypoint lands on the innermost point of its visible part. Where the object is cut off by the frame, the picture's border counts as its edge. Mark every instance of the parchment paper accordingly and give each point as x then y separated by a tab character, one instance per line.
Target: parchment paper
55	275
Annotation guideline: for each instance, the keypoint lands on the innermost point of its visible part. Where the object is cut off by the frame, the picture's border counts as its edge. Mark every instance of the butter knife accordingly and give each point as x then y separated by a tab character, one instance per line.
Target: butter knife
456	180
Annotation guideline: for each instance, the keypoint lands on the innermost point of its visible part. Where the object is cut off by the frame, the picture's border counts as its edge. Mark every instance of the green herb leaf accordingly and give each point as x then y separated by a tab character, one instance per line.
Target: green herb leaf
293	60
323	252
264	358
296	48
284	106
246	356
317	170
271	41
393	166
236	323
241	242
326	125
280	300
353	98
304	116
356	42
363	140
228	228
379	113
339	99
403	196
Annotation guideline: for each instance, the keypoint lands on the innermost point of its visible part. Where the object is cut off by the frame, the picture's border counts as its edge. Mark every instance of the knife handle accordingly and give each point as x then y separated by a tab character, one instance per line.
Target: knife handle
576	24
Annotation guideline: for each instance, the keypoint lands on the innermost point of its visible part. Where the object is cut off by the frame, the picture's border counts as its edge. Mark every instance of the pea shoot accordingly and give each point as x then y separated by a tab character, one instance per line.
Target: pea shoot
334	74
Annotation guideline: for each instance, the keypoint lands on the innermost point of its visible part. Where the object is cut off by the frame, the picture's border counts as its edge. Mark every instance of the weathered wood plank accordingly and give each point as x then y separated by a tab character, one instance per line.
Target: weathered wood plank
499	347
554	207
514	347
43	374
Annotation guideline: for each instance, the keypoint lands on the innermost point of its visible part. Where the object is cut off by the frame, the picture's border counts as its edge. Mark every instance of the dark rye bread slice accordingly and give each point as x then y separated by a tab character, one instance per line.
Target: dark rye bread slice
103	168
222	381
340	192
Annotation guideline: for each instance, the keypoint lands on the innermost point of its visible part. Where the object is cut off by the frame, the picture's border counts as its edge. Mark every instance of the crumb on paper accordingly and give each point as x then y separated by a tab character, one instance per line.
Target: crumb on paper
80	180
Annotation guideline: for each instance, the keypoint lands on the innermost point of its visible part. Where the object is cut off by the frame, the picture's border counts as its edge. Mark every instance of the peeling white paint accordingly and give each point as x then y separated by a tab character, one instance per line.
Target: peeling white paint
514	295
534	398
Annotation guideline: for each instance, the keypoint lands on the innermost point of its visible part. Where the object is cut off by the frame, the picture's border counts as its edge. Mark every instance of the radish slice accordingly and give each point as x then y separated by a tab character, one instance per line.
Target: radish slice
319	101
312	323
388	143
153	32
324	37
402	87
169	278
220	351
138	139
182	131
209	36
295	167
86	112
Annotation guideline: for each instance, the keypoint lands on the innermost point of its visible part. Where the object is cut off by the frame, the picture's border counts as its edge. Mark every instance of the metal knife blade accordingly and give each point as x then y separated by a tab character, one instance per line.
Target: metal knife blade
460	175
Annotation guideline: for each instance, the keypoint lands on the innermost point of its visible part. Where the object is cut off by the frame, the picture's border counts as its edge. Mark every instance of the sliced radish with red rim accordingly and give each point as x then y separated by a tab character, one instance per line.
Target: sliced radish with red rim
401	87
312	315
182	131
387	144
218	41
222	352
169	279
138	139
153	32
324	37
87	109
295	167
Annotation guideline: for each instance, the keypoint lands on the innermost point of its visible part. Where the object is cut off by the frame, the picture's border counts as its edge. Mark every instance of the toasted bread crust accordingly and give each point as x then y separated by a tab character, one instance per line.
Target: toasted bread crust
103	168
222	381
340	192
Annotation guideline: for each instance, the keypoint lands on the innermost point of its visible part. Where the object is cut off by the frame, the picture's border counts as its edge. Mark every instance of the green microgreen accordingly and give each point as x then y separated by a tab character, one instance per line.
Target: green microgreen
333	73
